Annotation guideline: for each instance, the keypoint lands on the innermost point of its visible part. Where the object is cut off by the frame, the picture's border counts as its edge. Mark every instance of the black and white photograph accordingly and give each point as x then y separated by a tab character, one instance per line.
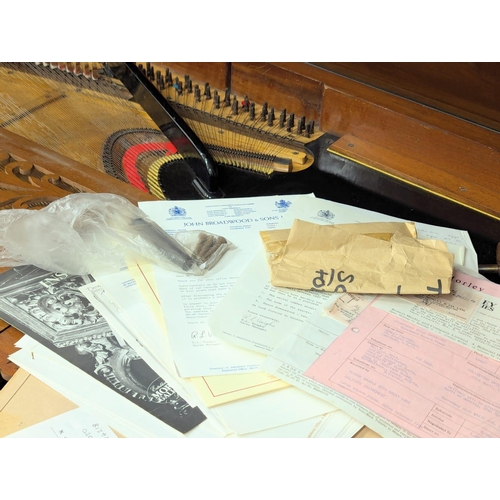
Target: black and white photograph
49	308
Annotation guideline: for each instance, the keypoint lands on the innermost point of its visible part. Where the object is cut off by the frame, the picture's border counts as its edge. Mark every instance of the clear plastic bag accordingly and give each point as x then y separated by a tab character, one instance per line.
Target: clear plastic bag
85	233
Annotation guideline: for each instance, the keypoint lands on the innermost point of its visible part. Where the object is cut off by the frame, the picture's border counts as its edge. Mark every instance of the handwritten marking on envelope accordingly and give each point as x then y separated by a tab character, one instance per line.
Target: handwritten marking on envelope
358	258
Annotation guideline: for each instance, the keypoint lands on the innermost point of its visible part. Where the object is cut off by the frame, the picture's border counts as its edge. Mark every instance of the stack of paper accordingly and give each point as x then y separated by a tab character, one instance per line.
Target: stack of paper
153	353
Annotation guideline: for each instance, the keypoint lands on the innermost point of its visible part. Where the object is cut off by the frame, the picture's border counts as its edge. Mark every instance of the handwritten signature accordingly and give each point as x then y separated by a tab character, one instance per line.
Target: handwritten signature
256	321
200	335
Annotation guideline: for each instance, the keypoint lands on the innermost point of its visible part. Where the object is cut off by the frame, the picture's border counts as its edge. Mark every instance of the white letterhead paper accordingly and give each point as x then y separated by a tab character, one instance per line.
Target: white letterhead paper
188	300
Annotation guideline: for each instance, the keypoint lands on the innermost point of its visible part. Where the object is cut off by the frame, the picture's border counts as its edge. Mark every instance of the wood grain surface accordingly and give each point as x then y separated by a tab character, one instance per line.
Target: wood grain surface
433	126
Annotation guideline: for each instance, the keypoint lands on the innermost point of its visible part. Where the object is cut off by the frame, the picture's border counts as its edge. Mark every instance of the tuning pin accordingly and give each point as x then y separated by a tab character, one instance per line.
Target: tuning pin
178	86
245	104
263	112
161	84
311	126
251	111
227	98
282	118
301	125
168	78
290	122
197	93
216	99
208	93
234	106
308	130
270	117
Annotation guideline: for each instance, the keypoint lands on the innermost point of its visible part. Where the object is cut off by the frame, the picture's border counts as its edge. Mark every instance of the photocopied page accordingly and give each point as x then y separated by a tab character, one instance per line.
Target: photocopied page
188	300
49	308
63	380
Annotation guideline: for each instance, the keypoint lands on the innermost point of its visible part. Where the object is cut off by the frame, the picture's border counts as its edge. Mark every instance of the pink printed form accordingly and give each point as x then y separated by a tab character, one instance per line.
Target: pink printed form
422	382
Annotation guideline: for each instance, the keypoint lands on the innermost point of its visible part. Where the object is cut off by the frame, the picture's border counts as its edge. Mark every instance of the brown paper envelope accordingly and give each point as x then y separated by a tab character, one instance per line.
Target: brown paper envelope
274	244
333	259
275	240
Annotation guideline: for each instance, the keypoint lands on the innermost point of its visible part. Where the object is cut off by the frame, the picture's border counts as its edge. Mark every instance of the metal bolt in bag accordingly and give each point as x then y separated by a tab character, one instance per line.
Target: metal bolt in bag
85	233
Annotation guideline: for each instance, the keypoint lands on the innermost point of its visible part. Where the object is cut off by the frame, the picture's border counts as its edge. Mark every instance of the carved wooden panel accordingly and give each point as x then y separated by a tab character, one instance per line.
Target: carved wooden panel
25	185
32	176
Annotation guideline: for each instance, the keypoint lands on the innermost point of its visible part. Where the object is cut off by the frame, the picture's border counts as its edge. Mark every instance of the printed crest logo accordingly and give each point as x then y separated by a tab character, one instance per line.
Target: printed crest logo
177	211
282	204
326	214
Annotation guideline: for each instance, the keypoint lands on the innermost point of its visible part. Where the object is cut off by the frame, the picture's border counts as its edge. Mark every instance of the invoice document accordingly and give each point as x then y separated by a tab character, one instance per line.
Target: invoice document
428	364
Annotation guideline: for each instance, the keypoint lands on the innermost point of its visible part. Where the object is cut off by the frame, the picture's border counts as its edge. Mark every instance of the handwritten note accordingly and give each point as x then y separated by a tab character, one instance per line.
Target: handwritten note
75	423
348	306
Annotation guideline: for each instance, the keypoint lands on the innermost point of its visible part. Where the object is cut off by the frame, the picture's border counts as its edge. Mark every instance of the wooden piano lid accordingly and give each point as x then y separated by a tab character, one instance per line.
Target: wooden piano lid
433	129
